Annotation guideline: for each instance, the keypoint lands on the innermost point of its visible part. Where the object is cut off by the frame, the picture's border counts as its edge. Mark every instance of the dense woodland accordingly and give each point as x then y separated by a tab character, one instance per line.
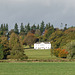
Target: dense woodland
11	42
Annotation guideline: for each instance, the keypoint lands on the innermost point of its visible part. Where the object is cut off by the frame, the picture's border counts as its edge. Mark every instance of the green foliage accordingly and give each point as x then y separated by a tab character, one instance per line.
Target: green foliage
17	51
27	28
71	49
30	39
13	40
4	42
37	33
16	29
33	27
22	28
56	38
42	28
1	52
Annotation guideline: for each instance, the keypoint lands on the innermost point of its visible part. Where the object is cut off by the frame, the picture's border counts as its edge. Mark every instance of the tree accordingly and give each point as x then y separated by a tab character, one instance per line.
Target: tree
17	52
6	27
65	27
33	27
1	52
37	33
27	28
71	48
50	30
30	39
2	27
37	26
5	45
21	28
42	28
13	40
16	28
56	38
16	48
45	36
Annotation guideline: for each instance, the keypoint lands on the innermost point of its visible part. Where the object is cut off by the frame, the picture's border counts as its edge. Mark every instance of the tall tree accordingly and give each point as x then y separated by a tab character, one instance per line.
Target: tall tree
6	27
37	26
33	27
17	50
37	33
30	39
21	28
1	52
16	28
65	27
2	27
27	28
42	28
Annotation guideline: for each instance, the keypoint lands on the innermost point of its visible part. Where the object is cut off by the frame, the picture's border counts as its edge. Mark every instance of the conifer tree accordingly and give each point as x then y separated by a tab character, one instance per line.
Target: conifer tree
16	29
21	28
42	28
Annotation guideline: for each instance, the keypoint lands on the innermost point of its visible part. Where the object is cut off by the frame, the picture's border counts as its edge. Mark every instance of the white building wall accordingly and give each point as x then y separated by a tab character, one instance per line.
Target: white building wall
42	46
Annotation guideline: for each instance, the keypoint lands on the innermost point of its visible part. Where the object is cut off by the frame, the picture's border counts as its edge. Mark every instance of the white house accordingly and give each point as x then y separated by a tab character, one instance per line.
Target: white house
42	45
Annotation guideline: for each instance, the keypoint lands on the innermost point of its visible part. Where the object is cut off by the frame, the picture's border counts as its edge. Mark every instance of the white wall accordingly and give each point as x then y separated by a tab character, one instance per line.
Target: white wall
42	46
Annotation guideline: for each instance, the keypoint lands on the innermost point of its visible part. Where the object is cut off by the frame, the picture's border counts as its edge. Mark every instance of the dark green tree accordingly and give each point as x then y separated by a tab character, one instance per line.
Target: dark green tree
16	29
37	26
6	27
1	51
21	28
33	27
2	27
65	27
42	28
27	28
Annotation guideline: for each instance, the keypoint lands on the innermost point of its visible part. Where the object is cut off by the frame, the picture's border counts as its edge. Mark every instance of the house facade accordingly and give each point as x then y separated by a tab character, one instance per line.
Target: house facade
42	45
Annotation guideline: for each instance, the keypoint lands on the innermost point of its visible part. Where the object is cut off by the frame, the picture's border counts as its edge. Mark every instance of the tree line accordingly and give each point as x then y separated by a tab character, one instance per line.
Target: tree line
12	41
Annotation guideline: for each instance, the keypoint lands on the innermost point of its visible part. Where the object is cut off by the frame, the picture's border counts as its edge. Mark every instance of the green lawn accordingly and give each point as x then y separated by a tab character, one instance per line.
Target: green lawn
38	54
44	68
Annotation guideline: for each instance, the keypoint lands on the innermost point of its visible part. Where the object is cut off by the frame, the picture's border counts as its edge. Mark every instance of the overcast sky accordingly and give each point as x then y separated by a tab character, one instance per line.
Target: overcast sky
34	11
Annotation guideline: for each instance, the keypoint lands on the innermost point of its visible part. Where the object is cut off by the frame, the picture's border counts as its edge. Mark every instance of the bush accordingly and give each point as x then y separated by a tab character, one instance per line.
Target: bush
63	53
60	53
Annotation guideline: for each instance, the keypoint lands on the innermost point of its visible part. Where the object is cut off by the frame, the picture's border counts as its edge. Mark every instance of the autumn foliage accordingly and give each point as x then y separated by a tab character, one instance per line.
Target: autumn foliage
60	53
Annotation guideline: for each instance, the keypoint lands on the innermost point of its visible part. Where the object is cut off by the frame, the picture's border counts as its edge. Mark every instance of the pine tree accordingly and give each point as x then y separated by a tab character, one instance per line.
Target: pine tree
37	26
16	29
42	28
6	27
21	28
27	28
2	27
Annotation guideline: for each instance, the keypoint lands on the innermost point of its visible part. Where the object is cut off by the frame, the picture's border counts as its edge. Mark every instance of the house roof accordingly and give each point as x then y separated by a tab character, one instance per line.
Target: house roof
43	42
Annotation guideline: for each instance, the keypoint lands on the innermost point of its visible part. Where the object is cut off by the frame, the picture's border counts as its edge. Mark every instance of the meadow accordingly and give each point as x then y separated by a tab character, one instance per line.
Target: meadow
44	68
39	54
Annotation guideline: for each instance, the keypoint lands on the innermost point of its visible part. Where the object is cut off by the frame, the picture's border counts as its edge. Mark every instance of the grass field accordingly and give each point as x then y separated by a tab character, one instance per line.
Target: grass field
45	68
39	54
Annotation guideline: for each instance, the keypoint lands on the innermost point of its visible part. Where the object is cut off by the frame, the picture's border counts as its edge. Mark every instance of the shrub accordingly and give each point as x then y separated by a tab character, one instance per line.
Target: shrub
60	53
63	53
56	52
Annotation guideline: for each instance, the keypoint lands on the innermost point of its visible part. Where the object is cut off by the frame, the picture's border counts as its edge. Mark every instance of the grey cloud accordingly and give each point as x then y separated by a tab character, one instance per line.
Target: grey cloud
34	11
